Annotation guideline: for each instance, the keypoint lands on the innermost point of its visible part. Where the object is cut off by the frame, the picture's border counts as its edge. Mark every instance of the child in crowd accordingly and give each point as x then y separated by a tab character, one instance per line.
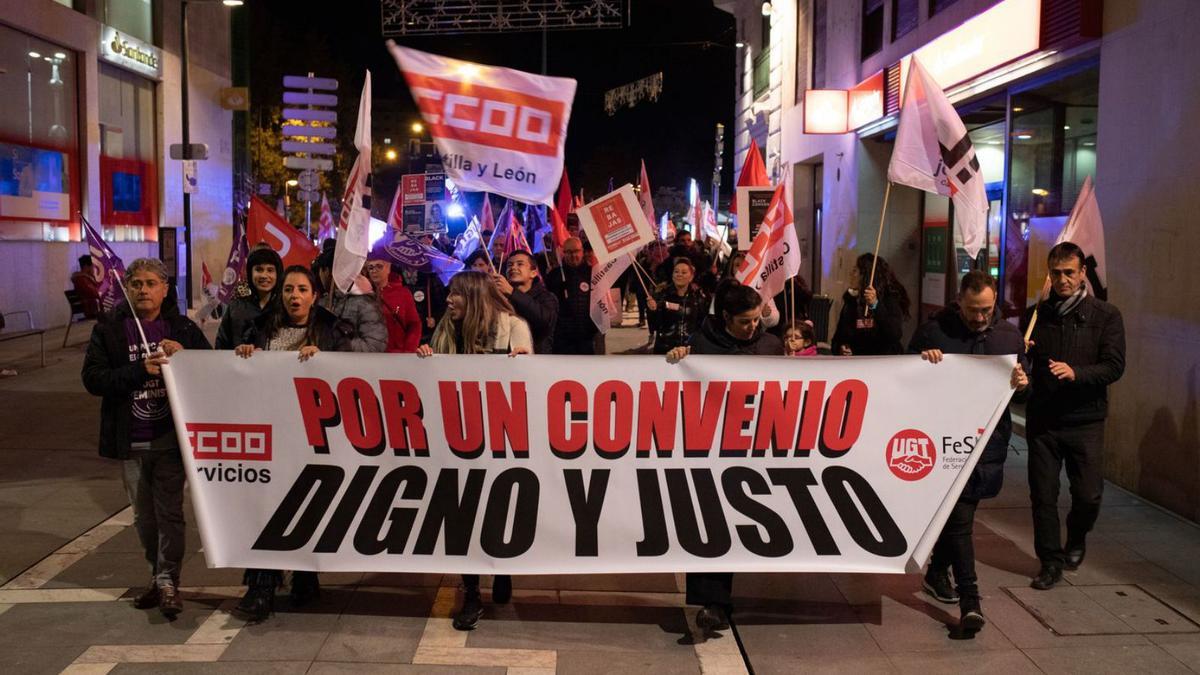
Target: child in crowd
799	339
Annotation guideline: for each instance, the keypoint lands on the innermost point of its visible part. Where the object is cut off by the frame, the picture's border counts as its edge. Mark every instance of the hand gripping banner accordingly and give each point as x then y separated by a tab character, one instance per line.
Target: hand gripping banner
558	464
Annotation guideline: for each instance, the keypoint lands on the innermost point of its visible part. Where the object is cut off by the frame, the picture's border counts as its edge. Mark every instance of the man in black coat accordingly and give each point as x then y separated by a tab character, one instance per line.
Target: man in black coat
1076	350
574	331
969	326
135	420
521	284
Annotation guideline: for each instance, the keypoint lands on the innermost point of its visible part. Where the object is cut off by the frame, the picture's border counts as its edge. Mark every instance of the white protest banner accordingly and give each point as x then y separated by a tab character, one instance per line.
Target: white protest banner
564	465
615	224
498	130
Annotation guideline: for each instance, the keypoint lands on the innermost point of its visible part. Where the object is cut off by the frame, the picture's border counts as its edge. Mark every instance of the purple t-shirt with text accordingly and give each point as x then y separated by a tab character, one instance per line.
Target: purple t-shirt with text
151	414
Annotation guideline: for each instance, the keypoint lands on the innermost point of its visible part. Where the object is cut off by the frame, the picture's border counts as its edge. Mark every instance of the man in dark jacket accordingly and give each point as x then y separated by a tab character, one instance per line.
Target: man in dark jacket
135	420
736	330
1076	350
529	296
574	330
969	327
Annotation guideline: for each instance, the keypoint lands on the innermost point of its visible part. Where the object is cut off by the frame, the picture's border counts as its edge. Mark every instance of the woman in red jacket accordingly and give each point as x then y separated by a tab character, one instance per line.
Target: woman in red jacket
399	309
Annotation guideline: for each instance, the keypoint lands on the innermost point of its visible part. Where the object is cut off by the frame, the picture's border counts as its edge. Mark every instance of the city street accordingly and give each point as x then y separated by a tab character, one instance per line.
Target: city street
71	562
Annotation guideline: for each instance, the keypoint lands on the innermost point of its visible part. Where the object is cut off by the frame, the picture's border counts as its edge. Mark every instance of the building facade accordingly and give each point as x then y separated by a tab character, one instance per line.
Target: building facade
1051	92
90	103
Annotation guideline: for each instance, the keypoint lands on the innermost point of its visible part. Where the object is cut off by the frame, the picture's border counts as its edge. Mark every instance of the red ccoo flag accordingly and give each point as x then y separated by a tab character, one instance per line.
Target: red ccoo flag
264	225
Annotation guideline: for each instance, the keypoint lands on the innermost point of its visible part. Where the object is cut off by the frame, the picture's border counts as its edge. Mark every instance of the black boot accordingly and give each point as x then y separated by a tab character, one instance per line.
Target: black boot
468	615
1049	575
937	586
256	605
148	598
712	617
305	588
1076	549
971	619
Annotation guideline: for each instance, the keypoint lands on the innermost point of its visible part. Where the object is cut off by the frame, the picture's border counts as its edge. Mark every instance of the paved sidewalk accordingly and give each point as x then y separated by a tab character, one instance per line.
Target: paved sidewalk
69	563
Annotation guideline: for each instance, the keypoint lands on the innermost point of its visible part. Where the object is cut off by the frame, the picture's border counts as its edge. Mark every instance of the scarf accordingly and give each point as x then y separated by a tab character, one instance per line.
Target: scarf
1069	303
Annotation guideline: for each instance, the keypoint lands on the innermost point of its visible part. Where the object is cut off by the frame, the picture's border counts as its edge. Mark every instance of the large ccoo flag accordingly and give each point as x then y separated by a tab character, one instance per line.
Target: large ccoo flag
934	153
497	129
1085	230
354	225
774	255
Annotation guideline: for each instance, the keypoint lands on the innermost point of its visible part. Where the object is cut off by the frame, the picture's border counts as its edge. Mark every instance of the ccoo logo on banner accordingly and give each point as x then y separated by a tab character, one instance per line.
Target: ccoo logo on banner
498	130
390	463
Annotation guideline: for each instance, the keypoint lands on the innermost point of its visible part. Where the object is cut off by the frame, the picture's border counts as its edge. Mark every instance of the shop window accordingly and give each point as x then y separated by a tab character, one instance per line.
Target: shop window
904	17
128	174
39	140
872	27
936	6
1053	150
132	17
818	44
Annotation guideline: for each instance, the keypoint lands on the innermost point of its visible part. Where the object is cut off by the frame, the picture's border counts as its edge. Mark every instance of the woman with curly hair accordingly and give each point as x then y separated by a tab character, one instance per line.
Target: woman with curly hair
872	318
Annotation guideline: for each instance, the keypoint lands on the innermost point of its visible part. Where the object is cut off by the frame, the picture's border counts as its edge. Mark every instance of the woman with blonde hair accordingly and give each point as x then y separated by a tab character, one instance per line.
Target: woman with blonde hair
478	320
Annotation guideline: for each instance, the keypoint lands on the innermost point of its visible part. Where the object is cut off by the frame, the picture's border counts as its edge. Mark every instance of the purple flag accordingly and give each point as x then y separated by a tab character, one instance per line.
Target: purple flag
233	266
104	261
503	224
410	253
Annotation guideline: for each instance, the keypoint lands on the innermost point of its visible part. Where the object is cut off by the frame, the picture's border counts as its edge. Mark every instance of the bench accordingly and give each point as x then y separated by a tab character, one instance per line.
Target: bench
29	332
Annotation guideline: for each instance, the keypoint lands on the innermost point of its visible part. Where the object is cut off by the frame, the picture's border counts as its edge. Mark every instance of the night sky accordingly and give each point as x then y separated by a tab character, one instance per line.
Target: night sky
688	40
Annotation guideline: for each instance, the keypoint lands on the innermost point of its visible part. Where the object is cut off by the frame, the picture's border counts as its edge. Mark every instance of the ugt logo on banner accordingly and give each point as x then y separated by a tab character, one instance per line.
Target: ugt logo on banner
498	130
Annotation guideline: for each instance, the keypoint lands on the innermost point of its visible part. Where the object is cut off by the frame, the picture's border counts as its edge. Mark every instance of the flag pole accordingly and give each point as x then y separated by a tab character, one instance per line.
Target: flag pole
637	267
879	237
136	320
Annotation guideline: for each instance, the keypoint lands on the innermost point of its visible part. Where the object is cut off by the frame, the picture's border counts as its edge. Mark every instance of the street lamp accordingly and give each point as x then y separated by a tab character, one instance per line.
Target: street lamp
187	140
418	128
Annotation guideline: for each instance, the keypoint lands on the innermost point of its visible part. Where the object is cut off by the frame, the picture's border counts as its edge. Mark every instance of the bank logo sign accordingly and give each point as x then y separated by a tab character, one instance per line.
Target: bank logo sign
130	53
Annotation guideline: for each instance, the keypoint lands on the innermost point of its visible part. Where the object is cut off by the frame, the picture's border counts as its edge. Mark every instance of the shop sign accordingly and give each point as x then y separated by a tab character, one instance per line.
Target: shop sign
130	53
825	111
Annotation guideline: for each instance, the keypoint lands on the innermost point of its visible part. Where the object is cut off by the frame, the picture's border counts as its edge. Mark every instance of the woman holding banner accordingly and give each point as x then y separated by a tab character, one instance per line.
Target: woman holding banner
293	323
873	312
478	320
735	329
678	309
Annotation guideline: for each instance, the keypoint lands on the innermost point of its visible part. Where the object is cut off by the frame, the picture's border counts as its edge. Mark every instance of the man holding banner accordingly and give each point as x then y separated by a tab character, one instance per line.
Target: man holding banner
969	326
124	366
1077	349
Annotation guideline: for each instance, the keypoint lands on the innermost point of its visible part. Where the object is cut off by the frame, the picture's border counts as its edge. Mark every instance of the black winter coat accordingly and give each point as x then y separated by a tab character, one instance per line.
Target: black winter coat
108	372
333	334
240	313
881	332
539	308
677	318
947	331
574	295
714	339
1090	339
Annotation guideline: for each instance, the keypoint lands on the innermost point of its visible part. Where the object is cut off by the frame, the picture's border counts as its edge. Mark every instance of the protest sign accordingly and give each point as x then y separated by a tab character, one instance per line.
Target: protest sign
615	224
557	464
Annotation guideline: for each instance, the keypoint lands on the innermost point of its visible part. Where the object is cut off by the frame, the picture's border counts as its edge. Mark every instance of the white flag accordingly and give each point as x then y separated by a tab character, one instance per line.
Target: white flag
1085	230
605	310
934	153
354	225
644	199
498	130
708	222
774	255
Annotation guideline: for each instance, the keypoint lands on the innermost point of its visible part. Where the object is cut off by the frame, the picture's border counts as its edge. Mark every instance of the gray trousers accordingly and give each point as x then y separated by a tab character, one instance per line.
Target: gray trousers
154	482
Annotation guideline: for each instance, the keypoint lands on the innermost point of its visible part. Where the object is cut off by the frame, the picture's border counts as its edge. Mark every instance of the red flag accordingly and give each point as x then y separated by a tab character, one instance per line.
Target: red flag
264	225
487	224
753	174
775	243
558	228
563	202
394	219
205	275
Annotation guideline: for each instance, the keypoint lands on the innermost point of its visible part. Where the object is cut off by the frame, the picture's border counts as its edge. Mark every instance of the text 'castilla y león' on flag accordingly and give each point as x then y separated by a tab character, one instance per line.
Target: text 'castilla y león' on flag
933	153
498	130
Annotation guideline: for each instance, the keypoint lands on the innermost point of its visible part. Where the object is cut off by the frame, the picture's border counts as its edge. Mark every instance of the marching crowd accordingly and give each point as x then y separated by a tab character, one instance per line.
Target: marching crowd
521	303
